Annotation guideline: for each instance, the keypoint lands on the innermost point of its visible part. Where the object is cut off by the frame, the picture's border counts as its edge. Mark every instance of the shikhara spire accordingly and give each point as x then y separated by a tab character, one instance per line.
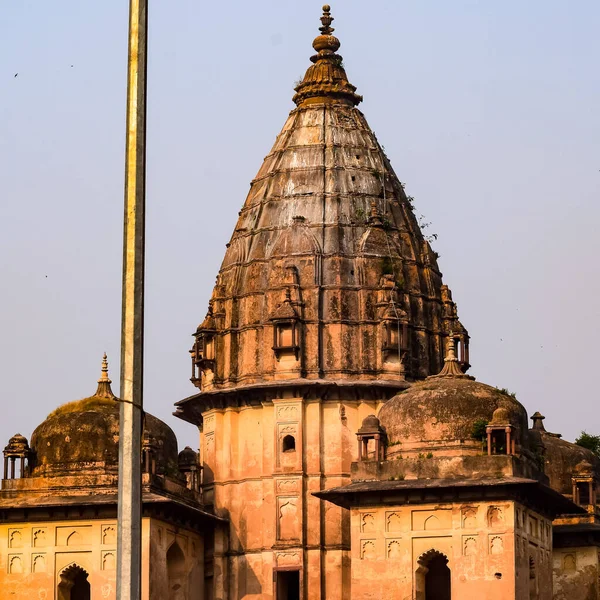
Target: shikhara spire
326	79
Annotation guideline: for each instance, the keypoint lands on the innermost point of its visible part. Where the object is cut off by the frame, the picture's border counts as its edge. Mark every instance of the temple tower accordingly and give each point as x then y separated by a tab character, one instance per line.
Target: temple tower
328	302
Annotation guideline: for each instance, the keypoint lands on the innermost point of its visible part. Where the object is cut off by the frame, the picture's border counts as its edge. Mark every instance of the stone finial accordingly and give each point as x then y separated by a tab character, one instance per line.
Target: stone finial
538	421
451	367
327	20
326	80
104	390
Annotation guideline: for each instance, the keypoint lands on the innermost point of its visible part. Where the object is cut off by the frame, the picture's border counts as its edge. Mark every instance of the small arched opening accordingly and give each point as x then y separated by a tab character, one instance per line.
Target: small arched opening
433	581
74	584
288	444
176	573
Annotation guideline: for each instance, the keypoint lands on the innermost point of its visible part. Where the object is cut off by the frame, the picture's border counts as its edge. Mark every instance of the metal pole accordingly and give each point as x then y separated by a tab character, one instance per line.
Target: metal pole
129	550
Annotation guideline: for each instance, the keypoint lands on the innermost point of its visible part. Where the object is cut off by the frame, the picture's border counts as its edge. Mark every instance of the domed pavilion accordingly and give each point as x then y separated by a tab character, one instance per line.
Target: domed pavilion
58	506
340	433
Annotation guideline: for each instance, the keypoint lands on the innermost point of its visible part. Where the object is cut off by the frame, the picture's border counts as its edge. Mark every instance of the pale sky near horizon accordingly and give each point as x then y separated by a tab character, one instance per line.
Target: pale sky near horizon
488	111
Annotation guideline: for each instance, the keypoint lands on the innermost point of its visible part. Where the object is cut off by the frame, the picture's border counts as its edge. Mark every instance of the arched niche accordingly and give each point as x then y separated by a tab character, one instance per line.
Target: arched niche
177	573
74	584
433	577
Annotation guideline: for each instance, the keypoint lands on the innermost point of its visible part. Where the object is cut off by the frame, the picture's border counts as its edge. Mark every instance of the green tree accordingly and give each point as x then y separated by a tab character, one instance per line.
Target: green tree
589	441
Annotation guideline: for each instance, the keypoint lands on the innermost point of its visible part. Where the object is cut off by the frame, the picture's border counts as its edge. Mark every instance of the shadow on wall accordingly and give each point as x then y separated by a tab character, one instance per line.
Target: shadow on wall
247	581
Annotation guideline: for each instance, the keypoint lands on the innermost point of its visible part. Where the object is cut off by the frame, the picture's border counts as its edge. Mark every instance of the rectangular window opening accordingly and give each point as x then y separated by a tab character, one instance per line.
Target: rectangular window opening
288	585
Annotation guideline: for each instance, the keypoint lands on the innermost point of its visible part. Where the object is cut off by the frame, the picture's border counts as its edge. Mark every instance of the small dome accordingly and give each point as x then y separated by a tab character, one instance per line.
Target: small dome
445	411
84	436
501	416
583	467
17	443
187	457
370	424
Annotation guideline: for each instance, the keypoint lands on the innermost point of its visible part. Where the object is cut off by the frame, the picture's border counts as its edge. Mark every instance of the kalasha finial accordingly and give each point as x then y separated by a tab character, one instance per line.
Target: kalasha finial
326	79
327	20
451	367
104	374
104	390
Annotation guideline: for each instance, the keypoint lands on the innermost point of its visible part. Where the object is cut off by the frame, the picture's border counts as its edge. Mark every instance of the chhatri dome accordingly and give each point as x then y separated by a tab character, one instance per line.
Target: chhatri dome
327	232
441	413
84	434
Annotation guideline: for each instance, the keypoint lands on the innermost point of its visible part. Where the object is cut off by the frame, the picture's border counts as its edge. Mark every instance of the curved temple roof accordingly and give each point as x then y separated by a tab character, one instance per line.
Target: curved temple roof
326	230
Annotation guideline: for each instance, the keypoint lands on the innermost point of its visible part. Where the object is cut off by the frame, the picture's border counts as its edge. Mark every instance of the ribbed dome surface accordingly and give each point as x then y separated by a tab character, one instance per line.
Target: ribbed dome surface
84	436
327	222
443	411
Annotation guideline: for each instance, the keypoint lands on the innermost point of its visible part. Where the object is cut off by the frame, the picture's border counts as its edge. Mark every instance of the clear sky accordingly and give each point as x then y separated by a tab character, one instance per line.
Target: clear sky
488	110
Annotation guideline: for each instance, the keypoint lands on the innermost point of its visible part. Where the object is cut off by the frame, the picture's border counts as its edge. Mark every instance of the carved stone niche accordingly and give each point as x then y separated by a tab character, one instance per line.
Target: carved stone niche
203	351
286	329
288	559
288	454
288	518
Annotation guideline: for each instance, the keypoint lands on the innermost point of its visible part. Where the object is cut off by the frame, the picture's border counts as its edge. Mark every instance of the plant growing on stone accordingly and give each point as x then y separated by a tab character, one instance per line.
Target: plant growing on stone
589	441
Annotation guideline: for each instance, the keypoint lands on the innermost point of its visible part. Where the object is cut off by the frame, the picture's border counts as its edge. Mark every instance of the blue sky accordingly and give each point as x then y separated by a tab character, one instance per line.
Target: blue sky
487	110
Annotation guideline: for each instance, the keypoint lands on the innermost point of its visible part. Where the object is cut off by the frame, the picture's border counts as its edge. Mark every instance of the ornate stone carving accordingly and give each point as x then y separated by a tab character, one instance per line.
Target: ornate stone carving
15	538
496	545
392	521
469	546
287	486
367	522
469	518
109	535
108	561
15	564
367	550
38	563
287	559
393	551
209	423
287	412
288	519
39	538
495	516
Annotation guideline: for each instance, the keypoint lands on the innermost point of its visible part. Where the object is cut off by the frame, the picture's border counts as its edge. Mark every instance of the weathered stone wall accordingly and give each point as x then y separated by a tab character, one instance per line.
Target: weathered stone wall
266	492
34	555
576	573
183	580
488	546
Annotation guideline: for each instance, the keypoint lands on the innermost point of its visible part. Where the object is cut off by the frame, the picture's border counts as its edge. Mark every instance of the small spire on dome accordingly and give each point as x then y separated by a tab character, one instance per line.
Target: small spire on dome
104	390
451	367
538	421
326	79
327	20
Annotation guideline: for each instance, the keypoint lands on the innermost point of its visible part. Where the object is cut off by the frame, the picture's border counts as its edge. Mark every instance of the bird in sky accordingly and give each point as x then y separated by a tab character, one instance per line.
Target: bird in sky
16	74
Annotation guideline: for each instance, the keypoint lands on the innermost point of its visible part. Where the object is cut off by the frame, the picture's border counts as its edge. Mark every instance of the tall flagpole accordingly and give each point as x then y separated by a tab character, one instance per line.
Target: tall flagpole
129	552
